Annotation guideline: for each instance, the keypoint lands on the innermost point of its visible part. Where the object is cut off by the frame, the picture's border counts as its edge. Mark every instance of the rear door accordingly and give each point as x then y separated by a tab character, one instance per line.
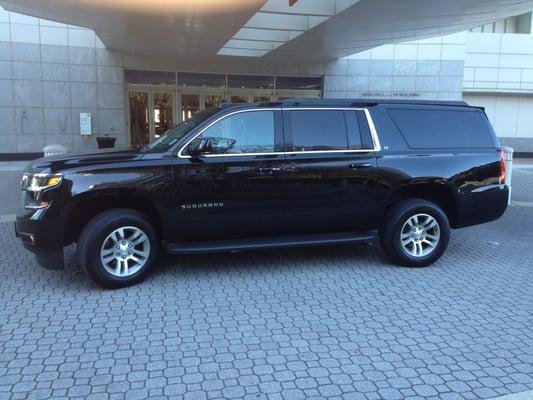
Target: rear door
331	171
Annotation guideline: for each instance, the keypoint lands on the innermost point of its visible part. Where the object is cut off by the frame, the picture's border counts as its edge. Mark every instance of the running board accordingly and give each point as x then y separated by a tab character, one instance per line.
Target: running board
269	242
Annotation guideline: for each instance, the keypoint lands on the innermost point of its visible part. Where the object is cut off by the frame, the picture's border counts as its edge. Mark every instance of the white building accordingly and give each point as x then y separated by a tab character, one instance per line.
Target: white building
134	88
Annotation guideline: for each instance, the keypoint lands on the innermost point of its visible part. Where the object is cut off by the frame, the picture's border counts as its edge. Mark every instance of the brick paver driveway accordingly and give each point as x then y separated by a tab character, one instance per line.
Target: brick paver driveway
337	322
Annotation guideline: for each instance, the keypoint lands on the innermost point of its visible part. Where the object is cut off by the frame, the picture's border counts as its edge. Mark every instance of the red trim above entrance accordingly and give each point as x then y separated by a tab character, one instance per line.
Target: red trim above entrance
292	2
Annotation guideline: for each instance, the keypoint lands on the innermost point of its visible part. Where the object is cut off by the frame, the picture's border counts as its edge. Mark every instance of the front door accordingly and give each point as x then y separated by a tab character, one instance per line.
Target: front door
236	191
331	171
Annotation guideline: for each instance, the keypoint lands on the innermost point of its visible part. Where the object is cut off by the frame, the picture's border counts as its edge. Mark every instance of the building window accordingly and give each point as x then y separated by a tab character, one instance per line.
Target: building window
150	77
201	80
250	82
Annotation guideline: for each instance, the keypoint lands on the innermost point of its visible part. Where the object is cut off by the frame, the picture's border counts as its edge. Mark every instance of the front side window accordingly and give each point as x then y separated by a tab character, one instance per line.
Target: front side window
242	133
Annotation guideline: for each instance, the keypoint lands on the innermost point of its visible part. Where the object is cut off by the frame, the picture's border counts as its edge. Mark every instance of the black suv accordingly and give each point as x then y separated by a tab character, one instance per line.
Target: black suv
250	176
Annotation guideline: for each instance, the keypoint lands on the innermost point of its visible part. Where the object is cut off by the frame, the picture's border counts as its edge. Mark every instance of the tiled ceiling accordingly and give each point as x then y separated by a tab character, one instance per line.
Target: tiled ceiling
279	22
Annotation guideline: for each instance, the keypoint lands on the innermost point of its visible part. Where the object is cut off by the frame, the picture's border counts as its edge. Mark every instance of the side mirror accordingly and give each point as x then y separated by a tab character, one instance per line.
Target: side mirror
199	147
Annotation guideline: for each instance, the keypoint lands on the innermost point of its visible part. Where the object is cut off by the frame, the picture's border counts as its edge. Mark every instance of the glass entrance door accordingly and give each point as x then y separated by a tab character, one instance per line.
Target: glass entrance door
139	118
198	100
162	112
190	105
151	113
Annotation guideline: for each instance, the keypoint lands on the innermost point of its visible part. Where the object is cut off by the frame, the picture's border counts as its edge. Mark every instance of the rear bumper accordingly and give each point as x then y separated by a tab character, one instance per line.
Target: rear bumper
482	205
43	240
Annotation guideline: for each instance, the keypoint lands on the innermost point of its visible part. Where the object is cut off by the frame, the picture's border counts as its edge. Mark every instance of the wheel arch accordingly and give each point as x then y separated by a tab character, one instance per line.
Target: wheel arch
439	193
88	205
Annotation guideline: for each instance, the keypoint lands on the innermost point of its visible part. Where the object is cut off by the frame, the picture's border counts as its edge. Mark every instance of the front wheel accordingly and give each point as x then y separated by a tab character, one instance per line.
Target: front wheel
415	233
118	248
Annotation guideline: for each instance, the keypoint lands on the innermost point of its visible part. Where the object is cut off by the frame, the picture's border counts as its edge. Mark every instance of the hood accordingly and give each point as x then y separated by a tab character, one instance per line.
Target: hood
65	162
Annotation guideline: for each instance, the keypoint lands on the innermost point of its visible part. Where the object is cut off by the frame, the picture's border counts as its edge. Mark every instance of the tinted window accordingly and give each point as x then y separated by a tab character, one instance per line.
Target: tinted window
426	129
246	132
366	136
325	130
359	136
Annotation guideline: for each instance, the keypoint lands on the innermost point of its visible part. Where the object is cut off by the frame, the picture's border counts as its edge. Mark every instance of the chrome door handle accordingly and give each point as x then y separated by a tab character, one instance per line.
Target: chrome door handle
360	165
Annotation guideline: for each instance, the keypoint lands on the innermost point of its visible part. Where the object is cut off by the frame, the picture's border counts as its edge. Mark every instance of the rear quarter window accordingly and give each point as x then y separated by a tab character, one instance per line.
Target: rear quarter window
434	129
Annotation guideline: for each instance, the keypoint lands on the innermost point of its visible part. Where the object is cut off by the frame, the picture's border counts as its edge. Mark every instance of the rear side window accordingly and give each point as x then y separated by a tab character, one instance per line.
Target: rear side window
324	130
434	129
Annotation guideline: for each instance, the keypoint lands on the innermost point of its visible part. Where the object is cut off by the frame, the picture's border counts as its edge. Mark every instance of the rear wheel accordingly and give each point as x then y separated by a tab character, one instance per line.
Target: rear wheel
416	233
118	248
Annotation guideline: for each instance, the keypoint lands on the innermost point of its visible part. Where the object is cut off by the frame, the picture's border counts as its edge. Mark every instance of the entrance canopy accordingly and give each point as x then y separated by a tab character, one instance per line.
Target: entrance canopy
273	30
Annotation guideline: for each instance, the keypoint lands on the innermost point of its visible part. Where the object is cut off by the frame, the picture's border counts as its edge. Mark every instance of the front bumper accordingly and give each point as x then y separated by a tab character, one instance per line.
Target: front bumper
42	240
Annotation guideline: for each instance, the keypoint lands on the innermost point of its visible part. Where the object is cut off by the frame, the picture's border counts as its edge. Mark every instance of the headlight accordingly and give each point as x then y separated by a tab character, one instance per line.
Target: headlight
34	187
40	182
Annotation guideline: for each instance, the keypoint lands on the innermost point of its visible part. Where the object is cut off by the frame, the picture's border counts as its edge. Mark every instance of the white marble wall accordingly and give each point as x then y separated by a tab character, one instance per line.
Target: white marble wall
499	62
49	73
419	70
510	114
499	76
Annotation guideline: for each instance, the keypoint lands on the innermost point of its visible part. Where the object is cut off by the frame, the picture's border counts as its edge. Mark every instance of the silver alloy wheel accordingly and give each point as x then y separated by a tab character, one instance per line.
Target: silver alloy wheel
125	251
420	235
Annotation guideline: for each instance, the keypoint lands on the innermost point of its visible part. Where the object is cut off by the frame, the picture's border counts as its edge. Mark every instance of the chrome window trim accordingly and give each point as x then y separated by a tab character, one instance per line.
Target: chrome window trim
370	122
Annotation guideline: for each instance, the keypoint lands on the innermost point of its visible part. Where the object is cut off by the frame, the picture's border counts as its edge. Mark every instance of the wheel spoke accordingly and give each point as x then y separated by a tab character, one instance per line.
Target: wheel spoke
431	225
430	244
118	265
108	259
135	235
419	249
106	252
140	253
115	237
137	260
142	237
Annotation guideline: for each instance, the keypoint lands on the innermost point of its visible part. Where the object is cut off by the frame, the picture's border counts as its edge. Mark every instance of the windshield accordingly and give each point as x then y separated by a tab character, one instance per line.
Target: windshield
171	136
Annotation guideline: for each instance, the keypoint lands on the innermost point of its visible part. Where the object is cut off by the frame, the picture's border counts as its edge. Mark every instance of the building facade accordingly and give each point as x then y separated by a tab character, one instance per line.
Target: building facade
50	73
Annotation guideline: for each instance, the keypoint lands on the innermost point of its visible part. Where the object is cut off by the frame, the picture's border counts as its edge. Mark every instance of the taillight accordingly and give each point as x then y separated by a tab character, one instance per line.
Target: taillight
501	180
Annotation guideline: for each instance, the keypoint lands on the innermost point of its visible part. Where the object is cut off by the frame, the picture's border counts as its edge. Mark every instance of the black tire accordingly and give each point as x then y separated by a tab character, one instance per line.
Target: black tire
92	239
398	215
